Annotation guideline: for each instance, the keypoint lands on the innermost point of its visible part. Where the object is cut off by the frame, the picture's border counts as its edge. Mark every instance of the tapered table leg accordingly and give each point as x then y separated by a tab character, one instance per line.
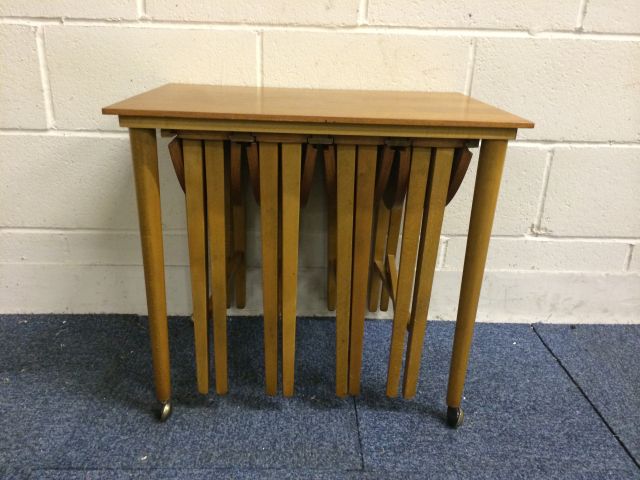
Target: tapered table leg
195	200
420	159
485	196
269	231
345	182
365	186
217	213
145	168
291	166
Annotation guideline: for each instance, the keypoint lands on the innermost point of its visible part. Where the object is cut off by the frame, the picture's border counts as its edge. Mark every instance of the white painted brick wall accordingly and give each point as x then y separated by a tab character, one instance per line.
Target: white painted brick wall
566	240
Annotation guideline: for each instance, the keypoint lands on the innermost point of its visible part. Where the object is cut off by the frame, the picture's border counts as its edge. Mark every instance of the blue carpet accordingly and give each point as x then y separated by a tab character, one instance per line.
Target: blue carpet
604	360
76	400
523	418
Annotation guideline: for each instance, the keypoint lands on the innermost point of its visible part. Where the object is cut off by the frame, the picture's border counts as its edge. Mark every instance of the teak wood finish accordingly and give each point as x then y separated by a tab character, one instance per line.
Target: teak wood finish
389	158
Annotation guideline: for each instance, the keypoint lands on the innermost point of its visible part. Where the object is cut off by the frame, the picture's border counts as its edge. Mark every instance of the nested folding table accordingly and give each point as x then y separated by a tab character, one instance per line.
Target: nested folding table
390	159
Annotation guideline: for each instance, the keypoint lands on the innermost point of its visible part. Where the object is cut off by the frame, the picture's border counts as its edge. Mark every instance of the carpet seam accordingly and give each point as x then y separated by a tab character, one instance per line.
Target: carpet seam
584	394
355	409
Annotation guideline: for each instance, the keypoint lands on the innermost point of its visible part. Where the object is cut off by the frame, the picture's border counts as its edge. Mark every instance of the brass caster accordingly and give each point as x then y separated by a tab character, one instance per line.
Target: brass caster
455	416
165	411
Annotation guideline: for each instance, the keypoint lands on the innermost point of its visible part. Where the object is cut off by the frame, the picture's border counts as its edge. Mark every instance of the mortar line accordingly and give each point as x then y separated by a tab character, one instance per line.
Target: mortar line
584	394
141	9
582	13
471	66
44	78
260	58
537	226
363	12
514	143
627	261
363	29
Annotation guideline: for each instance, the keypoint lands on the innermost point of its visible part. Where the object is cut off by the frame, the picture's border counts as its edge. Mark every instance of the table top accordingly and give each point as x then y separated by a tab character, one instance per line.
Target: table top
315	106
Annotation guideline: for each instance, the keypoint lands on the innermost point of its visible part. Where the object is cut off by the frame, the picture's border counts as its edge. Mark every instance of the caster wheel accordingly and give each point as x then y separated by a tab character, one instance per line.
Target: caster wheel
165	411
455	417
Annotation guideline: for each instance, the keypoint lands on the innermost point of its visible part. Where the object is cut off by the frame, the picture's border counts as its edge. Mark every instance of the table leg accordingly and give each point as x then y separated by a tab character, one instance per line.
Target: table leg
485	196
365	186
291	167
144	153
395	220
268	159
239	224
217	212
330	180
379	251
345	181
420	160
194	193
438	185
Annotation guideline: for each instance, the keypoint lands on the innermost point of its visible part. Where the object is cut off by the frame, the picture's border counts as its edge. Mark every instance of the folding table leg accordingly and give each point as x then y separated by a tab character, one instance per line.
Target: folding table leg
438	184
239	223
194	193
379	251
365	186
345	181
393	237
144	153
269	229
330	180
485	196
291	167
216	213
420	160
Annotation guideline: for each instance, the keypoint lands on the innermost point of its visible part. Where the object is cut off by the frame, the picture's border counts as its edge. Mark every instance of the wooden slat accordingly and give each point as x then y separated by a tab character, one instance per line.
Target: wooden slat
330	181
177	159
395	220
194	194
392	272
345	183
291	166
438	185
216	213
410	235
382	229
365	186
269	230
310	156
239	223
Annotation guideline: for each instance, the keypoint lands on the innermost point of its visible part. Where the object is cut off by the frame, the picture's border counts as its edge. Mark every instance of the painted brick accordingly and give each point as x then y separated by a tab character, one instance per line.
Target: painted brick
75	182
21	98
621	16
364	61
502	14
594	192
634	266
519	194
113	9
91	67
572	89
88	247
328	12
543	254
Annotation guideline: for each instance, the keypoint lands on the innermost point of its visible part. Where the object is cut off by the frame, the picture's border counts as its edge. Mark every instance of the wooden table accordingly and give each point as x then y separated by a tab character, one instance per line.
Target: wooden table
408	140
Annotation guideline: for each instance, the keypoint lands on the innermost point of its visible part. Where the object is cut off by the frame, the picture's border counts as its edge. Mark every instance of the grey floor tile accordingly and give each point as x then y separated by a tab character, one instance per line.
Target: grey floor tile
604	360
